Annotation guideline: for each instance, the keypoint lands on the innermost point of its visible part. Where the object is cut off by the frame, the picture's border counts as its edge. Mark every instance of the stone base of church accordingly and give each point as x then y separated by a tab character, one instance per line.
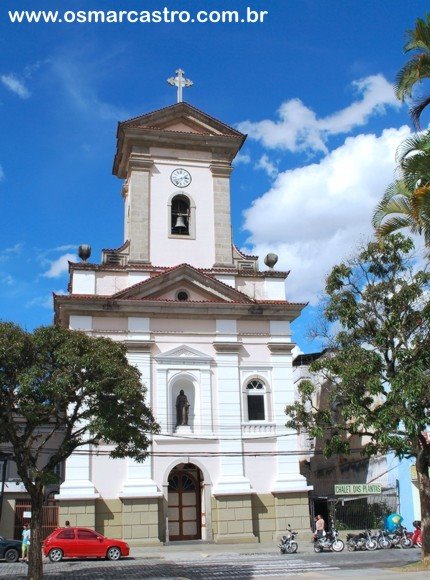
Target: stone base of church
141	519
79	512
240	519
135	520
258	517
232	519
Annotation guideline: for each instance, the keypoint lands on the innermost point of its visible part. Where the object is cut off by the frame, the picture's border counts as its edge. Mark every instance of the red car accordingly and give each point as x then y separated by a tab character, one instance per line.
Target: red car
82	543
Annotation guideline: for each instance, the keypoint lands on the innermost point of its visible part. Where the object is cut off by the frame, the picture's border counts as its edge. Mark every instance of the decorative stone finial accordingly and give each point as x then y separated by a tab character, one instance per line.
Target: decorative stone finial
84	252
270	260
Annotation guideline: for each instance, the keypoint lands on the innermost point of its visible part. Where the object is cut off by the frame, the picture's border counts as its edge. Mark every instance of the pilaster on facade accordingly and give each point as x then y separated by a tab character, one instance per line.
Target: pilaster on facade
232	478
139	481
288	477
138	207
78	484
222	219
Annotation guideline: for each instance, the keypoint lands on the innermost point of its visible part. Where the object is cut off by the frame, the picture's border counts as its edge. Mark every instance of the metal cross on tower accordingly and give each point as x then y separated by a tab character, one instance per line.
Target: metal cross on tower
180	81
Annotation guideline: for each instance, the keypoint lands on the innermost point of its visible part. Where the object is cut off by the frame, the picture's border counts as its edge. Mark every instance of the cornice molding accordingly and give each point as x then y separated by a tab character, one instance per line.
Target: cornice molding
281	347
227	347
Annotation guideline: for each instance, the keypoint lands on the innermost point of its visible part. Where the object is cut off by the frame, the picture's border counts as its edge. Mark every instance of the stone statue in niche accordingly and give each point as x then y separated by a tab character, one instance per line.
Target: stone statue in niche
182	409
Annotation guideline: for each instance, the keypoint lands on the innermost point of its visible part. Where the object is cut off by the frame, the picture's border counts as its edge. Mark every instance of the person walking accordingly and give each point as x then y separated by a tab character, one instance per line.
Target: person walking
25	542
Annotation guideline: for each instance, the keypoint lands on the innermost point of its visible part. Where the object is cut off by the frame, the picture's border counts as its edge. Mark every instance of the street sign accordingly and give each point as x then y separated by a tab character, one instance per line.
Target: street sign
357	488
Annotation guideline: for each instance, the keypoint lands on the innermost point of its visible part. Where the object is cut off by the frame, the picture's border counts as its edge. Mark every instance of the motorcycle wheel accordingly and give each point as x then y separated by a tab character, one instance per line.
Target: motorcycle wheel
337	546
371	545
384	543
419	544
406	543
350	547
292	548
318	548
283	550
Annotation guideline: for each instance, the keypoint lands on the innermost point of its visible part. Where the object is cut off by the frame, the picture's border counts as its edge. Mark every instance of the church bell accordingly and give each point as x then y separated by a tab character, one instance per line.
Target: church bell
180	222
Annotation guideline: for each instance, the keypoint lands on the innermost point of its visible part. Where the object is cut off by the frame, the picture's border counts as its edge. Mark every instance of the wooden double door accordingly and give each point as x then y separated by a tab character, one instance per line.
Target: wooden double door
184	503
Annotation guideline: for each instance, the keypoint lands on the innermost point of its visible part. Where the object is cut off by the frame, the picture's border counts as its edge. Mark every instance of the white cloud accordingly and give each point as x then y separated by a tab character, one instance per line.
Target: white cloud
14	84
78	77
60	266
46	301
266	165
242	158
7	279
12	252
299	129
314	216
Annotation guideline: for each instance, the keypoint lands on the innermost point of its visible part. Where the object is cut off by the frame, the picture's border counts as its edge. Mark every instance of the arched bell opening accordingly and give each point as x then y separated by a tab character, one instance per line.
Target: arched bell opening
184	501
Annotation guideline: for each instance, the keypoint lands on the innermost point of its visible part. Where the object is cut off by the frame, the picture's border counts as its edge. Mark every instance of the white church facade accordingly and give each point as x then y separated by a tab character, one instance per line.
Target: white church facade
209	332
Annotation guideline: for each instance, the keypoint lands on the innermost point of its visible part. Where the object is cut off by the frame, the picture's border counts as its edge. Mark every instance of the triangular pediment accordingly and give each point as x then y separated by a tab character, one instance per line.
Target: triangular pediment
180	126
183	354
182	117
182	284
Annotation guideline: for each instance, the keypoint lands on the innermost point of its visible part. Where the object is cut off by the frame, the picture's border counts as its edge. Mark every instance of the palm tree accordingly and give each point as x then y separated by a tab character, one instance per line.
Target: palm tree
400	208
417	68
413	158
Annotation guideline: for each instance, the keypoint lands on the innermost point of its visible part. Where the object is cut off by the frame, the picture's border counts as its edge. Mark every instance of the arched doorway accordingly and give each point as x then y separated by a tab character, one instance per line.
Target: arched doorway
184	502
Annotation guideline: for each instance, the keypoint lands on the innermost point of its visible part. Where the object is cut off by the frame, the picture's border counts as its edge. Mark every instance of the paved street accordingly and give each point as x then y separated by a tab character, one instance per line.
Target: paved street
209	563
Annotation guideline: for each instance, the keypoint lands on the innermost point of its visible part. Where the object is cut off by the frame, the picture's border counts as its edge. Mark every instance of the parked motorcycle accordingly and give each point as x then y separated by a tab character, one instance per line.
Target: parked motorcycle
416	535
400	537
330	541
383	539
362	541
288	544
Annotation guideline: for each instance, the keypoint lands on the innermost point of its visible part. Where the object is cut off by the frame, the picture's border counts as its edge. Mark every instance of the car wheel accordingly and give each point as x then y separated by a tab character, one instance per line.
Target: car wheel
292	548
11	555
113	553
55	555
337	546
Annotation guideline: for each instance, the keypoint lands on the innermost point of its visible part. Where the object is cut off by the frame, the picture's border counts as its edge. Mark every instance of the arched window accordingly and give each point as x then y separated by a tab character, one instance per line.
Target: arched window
255	397
180	216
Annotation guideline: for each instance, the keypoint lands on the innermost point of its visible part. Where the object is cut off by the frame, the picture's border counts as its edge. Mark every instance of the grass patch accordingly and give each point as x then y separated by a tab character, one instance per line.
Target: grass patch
415	567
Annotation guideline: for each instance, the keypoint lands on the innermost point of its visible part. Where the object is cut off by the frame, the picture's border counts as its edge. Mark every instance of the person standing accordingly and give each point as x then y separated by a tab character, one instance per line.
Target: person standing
319	526
25	542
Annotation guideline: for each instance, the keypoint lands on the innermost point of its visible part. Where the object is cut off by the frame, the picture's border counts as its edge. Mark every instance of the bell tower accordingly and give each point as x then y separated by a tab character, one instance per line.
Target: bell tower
176	166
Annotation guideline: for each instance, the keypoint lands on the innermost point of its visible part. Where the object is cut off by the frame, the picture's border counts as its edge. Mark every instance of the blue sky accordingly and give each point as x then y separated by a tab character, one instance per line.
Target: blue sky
311	86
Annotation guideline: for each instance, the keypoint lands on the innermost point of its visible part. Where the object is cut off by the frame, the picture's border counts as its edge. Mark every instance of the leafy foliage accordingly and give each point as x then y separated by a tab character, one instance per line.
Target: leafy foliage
378	363
62	389
417	68
379	359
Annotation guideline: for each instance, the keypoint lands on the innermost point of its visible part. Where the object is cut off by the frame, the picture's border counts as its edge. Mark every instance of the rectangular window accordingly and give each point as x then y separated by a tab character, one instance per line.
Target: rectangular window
256	408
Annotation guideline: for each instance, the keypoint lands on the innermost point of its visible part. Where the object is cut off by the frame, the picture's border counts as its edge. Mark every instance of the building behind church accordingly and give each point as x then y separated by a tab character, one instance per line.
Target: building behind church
209	332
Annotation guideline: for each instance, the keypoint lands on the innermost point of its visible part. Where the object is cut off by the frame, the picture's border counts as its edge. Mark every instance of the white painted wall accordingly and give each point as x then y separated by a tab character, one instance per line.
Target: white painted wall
165	251
84	282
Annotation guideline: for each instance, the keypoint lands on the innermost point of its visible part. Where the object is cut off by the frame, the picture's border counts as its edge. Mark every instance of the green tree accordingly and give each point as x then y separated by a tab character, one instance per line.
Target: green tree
417	68
401	208
379	362
406	202
60	390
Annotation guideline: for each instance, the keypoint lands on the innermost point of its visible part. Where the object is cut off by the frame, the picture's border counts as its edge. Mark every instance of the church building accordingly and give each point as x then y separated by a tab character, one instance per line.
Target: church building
209	332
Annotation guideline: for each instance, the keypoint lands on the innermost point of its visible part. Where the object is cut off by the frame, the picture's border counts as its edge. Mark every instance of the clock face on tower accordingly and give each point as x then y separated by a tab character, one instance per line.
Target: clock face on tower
180	178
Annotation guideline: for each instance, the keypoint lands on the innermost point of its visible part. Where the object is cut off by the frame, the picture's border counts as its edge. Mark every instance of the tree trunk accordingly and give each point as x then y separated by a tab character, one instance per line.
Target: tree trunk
423	463
35	564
